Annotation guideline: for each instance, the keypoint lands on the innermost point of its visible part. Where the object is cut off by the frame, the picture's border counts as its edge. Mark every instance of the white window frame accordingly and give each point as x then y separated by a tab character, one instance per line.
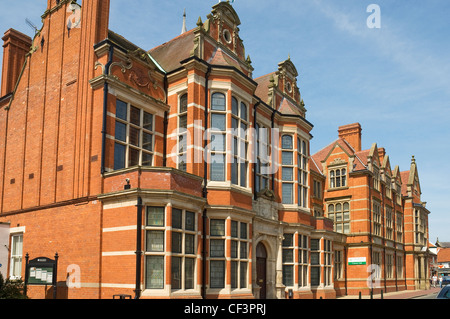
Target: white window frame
240	148
18	256
182	134
302	173
127	144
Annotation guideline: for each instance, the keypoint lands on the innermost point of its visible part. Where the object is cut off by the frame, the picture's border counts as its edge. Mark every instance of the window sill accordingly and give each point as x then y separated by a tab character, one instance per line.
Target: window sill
337	189
227	186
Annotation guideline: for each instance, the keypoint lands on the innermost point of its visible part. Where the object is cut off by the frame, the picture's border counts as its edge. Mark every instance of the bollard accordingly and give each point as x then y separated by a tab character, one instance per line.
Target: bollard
360	295
382	294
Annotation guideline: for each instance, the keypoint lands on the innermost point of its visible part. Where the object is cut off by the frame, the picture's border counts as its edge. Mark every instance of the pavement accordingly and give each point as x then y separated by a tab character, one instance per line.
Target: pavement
405	294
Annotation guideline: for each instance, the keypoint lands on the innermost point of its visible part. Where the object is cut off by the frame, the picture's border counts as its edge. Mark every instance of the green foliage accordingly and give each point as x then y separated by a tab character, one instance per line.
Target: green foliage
11	289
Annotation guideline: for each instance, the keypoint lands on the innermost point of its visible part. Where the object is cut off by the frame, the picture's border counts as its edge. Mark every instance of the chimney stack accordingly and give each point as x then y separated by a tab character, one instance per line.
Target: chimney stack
15	47
381	153
352	134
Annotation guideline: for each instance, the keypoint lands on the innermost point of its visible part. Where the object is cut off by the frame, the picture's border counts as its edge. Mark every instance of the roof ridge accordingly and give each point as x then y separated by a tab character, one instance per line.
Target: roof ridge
259	77
348	144
323	148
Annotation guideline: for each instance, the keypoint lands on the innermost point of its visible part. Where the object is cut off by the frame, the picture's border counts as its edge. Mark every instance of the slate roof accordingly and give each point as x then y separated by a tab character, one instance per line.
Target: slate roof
170	54
262	91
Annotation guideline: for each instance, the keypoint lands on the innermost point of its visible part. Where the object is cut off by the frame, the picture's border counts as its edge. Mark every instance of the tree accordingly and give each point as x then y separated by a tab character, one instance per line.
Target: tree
11	289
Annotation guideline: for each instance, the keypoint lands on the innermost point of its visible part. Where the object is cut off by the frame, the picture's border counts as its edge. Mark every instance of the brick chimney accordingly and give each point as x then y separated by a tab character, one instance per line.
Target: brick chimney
381	153
15	46
352	134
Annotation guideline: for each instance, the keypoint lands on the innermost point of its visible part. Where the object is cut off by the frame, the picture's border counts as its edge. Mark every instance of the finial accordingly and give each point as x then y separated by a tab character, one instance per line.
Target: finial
199	22
248	60
183	29
413	160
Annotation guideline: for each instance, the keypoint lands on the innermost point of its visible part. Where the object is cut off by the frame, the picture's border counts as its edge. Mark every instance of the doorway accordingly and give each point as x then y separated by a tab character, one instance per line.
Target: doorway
261	270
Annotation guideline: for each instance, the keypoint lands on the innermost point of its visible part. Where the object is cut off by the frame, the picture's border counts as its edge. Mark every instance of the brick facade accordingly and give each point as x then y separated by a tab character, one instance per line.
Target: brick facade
111	156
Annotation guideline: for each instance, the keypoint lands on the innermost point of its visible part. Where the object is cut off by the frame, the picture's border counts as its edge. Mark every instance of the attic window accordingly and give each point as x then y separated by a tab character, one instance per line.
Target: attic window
227	36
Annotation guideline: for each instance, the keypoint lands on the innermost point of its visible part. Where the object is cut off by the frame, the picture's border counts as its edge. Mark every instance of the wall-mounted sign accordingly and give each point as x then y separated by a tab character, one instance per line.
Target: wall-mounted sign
41	271
357	261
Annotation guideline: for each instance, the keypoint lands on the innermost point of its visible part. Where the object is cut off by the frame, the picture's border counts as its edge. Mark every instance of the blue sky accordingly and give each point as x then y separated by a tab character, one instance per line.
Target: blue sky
393	80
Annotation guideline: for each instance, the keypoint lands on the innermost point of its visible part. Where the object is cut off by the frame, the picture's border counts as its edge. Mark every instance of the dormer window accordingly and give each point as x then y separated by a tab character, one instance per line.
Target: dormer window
338	177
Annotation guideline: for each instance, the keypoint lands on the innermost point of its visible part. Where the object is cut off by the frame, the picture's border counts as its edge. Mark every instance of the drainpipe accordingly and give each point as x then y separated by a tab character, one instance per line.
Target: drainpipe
105	105
395	239
370	223
255	160
138	247
165	125
205	182
383	219
273	126
345	268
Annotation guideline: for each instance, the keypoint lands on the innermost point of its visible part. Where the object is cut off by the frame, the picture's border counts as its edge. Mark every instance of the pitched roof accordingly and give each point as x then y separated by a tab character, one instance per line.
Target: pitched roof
170	54
405	176
220	57
287	107
360	162
313	166
443	255
262	90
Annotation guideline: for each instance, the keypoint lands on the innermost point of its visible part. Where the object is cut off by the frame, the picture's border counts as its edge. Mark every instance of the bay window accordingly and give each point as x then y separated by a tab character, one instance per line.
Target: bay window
218	137
133	136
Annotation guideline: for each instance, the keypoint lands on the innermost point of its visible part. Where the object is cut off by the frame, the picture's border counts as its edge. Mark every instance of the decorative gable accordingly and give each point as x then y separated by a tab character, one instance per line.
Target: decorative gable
222	26
281	90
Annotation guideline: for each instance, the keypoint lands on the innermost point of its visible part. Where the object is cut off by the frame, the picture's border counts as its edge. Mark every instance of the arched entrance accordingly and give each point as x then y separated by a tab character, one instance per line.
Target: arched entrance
261	269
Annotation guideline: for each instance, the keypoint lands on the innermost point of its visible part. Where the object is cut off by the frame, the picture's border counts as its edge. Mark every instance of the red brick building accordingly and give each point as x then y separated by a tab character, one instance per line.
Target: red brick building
379	210
171	172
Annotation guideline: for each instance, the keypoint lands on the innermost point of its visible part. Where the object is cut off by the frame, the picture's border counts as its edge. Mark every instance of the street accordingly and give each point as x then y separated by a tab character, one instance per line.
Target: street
429	296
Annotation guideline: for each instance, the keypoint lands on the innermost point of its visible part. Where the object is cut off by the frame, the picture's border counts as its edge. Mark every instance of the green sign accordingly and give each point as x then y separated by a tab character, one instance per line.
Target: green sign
41	271
357	261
